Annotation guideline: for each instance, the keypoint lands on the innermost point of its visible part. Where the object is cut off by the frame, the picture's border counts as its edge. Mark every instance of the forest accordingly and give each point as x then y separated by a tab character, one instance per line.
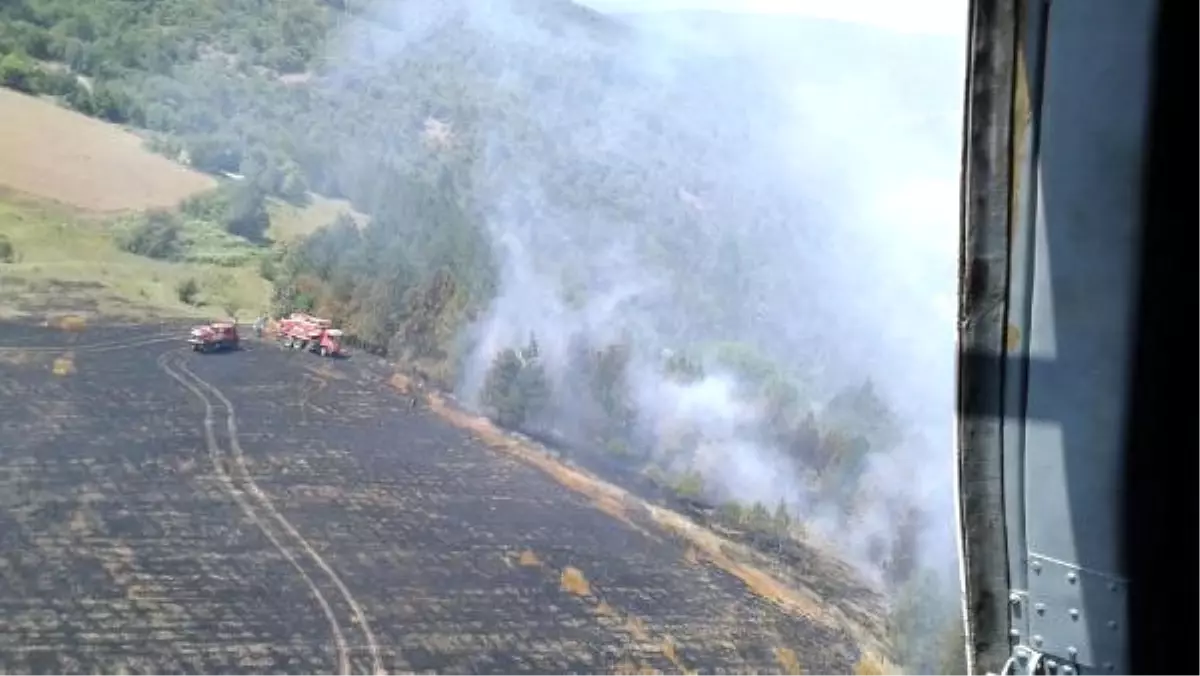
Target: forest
585	247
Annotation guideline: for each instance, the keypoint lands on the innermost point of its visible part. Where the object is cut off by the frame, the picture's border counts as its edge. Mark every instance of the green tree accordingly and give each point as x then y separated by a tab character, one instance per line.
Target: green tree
683	369
864	411
515	389
18	72
781	521
926	627
732	513
759	518
247	215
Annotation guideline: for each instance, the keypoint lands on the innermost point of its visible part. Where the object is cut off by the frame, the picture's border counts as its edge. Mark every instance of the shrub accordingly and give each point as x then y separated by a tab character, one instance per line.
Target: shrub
732	513
690	485
154	235
8	253
187	291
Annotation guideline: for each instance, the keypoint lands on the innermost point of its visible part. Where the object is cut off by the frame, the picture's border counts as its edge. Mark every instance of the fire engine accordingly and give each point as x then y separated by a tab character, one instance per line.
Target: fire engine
302	331
214	337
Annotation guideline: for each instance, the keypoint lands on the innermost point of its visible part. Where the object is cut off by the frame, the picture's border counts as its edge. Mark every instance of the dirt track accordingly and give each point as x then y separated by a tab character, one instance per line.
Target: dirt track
324	526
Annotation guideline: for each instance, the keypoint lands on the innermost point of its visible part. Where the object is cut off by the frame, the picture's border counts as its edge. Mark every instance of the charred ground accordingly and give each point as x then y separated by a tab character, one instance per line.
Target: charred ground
124	544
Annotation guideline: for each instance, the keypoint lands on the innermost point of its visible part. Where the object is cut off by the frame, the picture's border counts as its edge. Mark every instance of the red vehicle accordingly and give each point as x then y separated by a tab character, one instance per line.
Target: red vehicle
214	337
305	332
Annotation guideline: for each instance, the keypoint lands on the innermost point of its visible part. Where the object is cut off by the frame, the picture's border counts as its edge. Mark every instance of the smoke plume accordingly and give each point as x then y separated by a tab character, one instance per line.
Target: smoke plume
676	181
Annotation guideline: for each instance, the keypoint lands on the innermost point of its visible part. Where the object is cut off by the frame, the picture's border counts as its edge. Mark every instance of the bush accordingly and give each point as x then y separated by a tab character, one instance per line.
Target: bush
268	268
8	253
155	235
187	291
690	485
618	448
240	208
211	206
19	73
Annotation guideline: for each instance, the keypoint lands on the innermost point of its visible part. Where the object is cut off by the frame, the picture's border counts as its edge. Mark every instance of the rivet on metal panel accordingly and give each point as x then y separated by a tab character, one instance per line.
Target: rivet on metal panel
1072	652
1014	598
1071	577
1112	586
1051	666
1068	669
1109	666
1040	608
1074	613
1014	634
1036	566
1112	624
1021	653
1037	641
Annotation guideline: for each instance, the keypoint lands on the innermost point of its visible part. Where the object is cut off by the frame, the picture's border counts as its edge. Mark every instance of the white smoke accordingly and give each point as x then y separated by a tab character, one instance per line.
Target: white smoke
824	170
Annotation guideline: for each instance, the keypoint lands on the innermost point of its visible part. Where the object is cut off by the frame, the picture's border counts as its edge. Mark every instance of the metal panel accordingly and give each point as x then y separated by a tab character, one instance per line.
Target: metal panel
1059	596
1093	122
1092	129
1026	108
1044	368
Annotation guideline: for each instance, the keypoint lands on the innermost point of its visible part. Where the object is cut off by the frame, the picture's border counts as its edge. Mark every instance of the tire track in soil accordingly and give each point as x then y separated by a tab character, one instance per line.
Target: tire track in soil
106	346
264	501
215	455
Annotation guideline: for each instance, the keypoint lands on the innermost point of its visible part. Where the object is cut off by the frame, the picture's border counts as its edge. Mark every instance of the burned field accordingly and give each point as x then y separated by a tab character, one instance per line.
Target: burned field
266	511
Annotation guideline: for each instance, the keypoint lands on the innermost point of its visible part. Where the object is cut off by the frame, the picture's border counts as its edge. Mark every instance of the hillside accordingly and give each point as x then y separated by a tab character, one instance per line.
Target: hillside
57	154
643	239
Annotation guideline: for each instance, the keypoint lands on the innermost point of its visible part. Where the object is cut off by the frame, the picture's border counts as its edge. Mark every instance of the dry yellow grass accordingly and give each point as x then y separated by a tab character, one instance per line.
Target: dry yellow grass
574	582
870	664
58	154
72	323
64	365
667	647
787	659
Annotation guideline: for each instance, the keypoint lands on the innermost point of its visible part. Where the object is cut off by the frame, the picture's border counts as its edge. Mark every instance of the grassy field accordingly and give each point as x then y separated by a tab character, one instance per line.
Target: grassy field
69	183
61	155
66	261
289	222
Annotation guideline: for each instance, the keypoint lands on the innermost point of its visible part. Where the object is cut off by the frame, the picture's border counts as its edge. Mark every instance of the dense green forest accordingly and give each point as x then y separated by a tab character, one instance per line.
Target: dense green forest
549	234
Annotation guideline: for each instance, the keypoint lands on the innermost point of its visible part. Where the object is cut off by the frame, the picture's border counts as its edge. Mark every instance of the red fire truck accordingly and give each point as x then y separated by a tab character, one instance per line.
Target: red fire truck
301	331
214	337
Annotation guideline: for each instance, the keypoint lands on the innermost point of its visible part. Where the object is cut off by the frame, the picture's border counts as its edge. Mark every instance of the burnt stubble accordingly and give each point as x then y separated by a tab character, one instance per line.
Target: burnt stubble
328	526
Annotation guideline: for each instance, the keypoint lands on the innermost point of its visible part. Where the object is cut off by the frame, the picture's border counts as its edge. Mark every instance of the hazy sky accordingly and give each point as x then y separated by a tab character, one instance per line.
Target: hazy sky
945	17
